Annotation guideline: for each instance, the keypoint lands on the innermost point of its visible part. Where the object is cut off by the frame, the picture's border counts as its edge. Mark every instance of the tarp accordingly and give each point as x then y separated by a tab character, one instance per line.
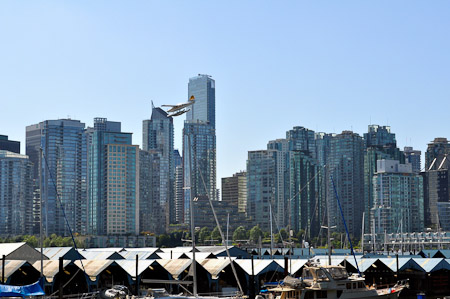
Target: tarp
34	289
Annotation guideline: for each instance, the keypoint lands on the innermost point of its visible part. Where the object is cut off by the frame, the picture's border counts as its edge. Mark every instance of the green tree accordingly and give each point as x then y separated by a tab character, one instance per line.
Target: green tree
215	234
204	234
240	233
31	240
162	240
255	234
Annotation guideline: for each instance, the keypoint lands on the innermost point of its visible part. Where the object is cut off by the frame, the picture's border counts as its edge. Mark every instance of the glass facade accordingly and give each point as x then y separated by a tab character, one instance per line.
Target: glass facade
345	164
203	88
9	145
199	152
64	169
158	137
16	194
261	186
398	202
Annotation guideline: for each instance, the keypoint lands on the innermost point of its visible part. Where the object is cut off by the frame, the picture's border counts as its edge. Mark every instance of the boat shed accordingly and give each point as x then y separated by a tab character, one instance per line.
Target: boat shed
20	251
19	272
100	255
67	253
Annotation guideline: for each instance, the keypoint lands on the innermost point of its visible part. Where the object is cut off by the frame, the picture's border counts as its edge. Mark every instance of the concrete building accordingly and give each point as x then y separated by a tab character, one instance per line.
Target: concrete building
113	201
234	191
414	157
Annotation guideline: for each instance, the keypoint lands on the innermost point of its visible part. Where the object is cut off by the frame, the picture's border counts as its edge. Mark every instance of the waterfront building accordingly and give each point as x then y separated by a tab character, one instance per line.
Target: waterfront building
413	156
16	196
346	165
63	168
398	201
9	145
158	137
261	187
199	142
113	200
234	191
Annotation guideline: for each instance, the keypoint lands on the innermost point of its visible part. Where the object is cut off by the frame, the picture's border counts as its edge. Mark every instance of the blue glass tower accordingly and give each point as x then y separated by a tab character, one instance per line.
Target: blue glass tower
199	142
16	196
63	178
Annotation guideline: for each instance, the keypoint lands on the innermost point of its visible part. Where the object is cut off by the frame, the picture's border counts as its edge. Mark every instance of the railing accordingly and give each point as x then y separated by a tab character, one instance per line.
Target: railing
91	295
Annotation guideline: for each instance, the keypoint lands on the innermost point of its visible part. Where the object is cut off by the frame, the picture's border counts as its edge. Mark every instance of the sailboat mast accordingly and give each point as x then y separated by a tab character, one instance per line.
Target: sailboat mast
41	234
191	208
271	233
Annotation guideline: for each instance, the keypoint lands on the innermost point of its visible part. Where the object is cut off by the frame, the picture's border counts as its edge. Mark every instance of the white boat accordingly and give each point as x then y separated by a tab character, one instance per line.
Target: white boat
330	282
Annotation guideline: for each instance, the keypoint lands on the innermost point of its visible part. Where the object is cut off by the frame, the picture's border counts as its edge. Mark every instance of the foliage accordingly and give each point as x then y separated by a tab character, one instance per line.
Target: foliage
215	234
255	234
50	241
204	234
240	233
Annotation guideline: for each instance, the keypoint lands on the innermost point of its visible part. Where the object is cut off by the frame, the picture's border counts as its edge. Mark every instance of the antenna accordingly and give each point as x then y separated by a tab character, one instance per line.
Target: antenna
153	106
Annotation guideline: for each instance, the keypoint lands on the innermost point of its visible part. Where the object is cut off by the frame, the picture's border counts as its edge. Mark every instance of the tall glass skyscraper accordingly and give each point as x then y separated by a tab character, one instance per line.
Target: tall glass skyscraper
203	88
64	179
113	200
346	164
199	142
158	137
16	195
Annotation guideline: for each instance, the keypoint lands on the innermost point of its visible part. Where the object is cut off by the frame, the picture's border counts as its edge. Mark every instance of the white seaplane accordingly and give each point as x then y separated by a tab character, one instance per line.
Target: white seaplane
181	108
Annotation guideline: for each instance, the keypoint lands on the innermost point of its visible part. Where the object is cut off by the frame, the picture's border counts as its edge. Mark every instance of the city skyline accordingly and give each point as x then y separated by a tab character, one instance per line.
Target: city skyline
327	67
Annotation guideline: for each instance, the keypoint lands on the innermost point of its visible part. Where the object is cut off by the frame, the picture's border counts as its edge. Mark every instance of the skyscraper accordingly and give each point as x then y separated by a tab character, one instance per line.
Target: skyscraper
437	183
9	145
113	200
261	186
158	137
203	88
199	142
398	200
234	190
16	196
63	143
345	164
413	156
380	144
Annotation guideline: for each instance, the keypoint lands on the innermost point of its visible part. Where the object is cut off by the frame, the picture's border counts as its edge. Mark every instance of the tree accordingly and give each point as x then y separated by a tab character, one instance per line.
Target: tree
204	234
240	234
255	234
215	234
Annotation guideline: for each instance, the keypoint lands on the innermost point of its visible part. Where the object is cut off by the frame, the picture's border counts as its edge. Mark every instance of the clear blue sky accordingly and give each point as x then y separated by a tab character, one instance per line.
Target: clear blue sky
325	65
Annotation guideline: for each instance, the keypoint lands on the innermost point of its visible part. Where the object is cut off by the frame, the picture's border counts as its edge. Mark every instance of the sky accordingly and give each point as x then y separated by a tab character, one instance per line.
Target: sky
325	65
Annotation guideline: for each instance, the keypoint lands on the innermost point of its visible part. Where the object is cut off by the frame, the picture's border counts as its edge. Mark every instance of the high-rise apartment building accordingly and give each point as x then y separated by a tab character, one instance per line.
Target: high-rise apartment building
413	157
261	187
9	145
398	201
437	184
158	137
234	190
16	195
113	200
64	163
346	165
304	201
281	179
380	144
199	142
